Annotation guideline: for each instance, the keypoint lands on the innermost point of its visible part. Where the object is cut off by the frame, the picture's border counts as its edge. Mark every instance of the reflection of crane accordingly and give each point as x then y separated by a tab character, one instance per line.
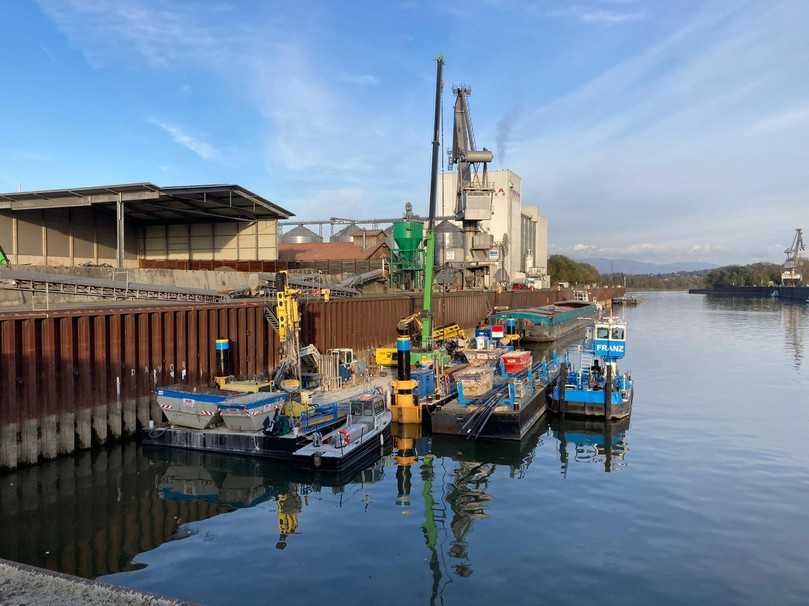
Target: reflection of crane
473	201
791	276
467	498
288	506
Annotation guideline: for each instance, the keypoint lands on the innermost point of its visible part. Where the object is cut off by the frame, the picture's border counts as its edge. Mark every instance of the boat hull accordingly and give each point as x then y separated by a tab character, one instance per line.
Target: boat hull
504	424
571	406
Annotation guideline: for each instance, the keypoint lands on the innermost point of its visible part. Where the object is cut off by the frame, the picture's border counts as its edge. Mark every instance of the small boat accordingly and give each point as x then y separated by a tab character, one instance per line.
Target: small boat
363	434
596	388
549	322
625	300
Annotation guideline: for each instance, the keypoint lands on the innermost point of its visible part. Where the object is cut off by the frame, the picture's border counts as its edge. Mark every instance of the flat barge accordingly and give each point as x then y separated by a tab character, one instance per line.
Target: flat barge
797	294
502	413
548	323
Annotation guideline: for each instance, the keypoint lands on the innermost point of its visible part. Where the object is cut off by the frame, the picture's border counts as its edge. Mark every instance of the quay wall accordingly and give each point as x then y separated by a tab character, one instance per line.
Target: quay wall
75	378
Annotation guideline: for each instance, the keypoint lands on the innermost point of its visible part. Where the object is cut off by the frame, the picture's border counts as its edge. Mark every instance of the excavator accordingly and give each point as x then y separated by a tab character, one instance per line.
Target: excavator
386	356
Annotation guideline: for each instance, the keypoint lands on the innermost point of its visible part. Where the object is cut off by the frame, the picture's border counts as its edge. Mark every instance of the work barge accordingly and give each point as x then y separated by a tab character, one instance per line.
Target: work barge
81	377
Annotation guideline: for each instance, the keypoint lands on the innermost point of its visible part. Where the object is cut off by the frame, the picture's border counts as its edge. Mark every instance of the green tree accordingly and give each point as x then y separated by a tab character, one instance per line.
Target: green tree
565	269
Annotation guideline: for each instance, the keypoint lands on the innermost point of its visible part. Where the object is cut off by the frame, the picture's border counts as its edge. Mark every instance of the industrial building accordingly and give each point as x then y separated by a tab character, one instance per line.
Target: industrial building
128	225
520	233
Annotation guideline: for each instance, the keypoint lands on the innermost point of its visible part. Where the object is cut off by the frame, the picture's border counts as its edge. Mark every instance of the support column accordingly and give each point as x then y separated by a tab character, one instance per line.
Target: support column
119	224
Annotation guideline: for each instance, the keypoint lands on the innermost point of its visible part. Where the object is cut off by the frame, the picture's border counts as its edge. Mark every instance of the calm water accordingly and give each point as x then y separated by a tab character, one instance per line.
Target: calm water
702	498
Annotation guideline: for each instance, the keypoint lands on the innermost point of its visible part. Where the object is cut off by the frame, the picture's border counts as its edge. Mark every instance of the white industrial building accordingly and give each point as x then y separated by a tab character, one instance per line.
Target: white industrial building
520	232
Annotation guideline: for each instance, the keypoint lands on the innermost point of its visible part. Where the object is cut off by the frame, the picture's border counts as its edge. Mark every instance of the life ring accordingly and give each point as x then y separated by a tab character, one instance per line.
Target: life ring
345	437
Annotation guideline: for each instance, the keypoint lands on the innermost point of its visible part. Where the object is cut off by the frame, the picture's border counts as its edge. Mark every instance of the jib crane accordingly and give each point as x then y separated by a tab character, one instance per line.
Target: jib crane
473	196
791	276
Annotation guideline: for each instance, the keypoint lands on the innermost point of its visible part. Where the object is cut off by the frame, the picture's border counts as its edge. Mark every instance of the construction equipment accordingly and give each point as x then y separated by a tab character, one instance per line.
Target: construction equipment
791	276
473	196
288	325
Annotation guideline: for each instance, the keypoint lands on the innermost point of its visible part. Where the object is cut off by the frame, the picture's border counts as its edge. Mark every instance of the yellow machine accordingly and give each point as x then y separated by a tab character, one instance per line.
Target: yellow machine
386	356
288	506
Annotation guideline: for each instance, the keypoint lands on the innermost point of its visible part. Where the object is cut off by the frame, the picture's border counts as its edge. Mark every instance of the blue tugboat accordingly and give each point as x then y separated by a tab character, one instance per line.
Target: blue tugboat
596	388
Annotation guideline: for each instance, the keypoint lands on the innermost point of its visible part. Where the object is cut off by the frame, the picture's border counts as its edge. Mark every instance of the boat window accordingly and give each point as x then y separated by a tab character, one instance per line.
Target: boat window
618	332
379	406
602	332
369	409
356	407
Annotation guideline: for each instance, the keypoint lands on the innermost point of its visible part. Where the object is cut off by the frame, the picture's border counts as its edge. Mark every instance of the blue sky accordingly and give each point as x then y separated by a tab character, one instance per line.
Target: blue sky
660	131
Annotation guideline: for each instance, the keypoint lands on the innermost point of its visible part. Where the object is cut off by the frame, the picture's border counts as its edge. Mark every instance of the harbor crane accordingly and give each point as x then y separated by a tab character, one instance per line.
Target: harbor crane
791	276
473	196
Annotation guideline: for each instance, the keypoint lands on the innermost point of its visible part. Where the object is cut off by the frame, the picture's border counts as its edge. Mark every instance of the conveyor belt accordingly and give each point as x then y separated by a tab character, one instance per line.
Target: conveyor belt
63	284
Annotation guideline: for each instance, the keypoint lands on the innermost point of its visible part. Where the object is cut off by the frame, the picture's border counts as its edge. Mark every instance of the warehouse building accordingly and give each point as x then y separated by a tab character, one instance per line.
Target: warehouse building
130	225
520	232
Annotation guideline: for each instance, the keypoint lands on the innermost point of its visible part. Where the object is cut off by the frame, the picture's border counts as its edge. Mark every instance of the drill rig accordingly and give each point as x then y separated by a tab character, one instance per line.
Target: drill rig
473	196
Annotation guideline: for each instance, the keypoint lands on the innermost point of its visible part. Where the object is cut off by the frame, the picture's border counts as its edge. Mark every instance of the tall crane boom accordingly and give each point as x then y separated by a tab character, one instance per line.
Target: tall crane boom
473	195
791	276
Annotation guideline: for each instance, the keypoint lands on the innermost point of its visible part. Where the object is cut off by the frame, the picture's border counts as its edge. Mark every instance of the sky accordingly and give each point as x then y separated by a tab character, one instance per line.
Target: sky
657	131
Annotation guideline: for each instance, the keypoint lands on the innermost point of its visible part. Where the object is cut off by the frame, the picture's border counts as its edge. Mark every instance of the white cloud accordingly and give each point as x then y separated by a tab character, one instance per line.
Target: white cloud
203	149
607	17
358	79
778	121
584	248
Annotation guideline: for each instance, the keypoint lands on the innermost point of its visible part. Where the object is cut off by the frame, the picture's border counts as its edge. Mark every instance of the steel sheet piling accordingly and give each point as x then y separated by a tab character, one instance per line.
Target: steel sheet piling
9	407
84	409
67	416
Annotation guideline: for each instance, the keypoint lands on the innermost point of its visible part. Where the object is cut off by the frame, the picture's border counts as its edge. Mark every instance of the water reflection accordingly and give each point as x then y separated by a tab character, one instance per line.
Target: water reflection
455	501
792	316
92	513
591	441
237	482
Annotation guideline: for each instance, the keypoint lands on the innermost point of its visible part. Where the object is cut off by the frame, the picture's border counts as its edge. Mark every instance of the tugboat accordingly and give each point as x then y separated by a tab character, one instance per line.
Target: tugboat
596	388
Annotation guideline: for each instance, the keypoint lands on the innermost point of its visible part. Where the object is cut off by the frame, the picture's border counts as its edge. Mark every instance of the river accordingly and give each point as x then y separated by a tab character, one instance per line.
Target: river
702	497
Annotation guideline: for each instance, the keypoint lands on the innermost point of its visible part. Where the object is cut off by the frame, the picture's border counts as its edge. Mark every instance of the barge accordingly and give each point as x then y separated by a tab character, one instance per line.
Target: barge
796	294
508	411
549	322
284	432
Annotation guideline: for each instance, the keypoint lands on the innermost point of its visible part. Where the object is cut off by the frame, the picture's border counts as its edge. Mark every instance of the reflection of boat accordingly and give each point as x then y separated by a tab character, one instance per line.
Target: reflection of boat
549	322
517	454
246	482
593	440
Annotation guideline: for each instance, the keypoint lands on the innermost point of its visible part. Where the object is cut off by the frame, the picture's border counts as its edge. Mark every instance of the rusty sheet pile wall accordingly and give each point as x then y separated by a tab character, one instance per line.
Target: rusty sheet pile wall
77	378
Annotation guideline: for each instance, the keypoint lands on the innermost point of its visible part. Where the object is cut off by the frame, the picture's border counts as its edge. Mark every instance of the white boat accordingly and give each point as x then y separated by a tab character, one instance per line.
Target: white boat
364	433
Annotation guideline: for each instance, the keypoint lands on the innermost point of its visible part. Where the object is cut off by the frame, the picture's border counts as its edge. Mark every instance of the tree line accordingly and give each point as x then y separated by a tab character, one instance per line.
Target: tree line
564	269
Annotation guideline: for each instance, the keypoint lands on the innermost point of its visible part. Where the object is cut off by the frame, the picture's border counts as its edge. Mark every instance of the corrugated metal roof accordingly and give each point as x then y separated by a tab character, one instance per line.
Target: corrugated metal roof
328	251
148	203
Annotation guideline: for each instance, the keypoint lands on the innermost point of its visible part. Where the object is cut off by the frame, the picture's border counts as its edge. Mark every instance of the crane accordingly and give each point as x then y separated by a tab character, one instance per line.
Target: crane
473	196
791	276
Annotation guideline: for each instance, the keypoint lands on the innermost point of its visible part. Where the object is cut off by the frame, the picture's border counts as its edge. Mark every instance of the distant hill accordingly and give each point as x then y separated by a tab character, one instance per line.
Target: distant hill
628	266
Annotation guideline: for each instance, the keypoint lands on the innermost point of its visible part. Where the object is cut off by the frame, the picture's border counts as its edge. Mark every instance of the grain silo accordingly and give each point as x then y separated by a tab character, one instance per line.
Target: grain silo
300	235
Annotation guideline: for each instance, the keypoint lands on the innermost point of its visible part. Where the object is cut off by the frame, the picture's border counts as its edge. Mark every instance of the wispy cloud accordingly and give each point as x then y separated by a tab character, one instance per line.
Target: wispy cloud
358	79
202	148
680	142
598	15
